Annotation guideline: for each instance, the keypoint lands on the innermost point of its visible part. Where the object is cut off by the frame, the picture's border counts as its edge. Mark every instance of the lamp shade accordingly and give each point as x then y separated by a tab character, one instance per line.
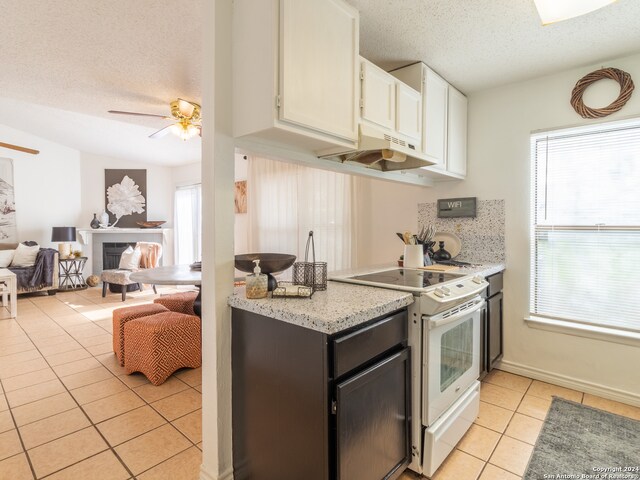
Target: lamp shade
63	234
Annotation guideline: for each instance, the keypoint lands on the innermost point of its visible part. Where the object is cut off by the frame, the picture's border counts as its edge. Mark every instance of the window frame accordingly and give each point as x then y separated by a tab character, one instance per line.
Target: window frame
591	329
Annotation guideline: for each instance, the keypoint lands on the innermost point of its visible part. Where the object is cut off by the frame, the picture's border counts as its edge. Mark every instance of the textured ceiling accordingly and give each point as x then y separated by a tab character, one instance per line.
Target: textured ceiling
478	44
90	56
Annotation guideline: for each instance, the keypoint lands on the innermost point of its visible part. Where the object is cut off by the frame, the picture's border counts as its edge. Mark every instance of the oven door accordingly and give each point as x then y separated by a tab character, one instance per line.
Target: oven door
451	357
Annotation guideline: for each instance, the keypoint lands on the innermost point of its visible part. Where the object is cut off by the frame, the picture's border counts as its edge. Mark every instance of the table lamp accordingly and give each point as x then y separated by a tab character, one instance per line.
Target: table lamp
64	235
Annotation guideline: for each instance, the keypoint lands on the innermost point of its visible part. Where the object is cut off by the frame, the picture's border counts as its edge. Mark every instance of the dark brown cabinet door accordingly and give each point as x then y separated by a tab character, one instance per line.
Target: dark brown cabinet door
494	329
372	420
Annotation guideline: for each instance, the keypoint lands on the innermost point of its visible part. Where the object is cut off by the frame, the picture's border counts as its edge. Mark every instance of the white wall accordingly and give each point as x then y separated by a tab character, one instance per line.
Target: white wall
189	174
500	123
160	187
46	186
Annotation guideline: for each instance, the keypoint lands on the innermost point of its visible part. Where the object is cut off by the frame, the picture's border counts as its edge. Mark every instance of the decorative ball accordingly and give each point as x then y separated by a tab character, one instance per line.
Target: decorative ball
93	280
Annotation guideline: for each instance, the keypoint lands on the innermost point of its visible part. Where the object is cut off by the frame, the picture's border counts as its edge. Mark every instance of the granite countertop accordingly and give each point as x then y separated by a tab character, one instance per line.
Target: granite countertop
340	307
484	269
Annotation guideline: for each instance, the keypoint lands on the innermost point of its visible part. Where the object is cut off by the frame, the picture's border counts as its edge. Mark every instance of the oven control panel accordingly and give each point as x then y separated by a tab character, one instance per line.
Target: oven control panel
450	294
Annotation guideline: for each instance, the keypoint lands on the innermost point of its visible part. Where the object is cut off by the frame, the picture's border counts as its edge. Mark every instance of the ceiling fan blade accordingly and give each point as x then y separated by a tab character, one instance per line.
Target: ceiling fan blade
118	112
186	108
162	132
20	149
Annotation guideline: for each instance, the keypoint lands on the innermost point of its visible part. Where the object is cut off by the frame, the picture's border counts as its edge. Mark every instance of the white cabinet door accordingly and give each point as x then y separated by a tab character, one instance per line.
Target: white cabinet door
457	133
435	118
318	78
378	96
408	112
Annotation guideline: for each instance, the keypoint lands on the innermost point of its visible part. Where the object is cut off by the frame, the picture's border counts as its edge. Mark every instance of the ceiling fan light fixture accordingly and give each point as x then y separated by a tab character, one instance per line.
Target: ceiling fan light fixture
552	11
185	130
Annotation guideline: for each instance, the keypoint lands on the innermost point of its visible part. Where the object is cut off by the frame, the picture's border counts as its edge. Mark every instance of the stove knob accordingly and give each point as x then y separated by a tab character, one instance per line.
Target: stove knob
438	292
478	279
446	290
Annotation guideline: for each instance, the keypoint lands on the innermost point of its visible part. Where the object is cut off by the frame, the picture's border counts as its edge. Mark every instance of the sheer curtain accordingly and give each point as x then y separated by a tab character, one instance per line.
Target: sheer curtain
188	224
286	201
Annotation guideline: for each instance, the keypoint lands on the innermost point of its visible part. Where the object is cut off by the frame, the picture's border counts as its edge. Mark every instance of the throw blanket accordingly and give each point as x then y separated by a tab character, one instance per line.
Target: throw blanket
151	253
40	275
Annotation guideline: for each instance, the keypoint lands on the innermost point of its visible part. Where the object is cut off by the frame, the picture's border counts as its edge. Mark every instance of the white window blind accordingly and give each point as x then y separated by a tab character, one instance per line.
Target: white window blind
585	243
188	222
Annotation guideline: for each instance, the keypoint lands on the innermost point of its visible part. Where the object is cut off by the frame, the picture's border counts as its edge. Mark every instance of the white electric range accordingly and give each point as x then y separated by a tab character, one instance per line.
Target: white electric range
444	335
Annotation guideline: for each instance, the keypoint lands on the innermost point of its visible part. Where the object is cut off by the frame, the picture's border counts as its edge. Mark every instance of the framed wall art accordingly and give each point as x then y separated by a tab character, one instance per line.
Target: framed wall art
126	197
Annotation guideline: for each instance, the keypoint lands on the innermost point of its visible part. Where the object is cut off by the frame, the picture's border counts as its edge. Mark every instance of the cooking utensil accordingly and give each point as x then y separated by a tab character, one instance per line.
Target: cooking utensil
400	236
407	237
430	232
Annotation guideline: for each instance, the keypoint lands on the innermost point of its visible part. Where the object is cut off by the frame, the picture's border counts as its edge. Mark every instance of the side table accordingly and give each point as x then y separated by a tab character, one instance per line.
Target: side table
8	290
71	277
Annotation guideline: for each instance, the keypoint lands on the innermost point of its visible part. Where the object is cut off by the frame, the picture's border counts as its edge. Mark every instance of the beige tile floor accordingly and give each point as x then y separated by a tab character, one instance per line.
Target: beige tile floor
69	411
500	442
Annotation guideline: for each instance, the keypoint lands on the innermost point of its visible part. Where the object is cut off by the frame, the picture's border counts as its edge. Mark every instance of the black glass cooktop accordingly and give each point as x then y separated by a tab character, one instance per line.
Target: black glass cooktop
407	278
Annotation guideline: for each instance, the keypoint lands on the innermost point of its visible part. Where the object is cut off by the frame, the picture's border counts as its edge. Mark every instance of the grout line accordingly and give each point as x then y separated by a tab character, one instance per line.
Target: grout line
15	424
91	423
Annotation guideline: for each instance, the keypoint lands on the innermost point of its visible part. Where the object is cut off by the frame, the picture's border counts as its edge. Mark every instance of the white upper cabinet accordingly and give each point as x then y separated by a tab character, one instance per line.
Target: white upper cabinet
296	72
390	103
435	118
457	133
444	121
409	112
378	90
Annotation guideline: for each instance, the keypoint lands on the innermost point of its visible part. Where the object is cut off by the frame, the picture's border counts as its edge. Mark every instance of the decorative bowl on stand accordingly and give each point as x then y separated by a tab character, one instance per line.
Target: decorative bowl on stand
270	264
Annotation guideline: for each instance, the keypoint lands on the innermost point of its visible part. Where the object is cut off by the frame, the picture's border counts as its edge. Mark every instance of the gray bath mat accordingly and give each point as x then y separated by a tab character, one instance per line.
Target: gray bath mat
582	442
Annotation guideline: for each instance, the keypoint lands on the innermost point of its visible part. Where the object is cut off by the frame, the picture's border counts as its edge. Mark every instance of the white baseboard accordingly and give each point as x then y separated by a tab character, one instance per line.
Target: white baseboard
206	475
570	382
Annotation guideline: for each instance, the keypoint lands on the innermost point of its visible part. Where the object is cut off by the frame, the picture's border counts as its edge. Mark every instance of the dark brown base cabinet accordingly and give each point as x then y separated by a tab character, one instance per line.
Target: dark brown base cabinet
491	348
312	406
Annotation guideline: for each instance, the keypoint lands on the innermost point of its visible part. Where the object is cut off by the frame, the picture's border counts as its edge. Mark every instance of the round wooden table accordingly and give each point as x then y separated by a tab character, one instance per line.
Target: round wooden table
172	275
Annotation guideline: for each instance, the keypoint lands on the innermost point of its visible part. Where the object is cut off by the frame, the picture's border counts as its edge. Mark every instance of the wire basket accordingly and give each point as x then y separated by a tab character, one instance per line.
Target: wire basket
311	274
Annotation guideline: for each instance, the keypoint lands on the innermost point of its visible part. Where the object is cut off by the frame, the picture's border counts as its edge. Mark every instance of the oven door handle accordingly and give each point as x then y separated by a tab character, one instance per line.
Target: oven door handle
453	318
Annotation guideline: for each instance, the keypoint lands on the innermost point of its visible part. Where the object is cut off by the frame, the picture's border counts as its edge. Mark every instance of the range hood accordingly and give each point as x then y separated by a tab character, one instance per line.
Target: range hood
380	150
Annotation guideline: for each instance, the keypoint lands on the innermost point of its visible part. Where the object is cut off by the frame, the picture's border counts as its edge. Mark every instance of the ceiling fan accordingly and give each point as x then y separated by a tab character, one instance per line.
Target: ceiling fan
19	148
187	115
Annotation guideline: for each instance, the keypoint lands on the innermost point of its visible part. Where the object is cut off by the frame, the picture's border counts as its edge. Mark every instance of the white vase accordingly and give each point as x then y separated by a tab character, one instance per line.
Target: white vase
104	219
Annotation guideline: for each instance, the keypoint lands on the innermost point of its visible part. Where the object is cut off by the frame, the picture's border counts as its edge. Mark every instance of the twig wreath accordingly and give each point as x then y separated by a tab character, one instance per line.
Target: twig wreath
620	76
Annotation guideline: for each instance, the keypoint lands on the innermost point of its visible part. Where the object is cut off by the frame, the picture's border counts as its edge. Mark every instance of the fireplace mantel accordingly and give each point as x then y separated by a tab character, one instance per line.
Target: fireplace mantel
85	235
94	238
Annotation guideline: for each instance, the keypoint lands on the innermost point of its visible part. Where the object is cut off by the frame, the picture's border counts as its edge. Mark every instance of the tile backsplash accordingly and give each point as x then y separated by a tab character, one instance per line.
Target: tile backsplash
482	237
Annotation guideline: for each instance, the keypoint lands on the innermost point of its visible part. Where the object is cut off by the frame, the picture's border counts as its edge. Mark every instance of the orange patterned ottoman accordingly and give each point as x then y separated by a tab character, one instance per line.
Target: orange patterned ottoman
178	302
122	316
160	344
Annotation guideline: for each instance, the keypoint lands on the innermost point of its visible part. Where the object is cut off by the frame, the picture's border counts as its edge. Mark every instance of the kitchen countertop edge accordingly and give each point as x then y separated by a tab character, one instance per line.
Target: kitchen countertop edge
340	307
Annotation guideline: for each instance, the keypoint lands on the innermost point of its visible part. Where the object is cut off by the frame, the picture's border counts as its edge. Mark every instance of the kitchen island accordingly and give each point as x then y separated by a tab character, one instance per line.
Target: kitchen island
321	384
340	307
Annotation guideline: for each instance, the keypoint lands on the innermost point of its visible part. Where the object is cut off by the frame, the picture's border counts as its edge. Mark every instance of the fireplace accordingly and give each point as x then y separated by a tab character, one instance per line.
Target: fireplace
95	239
111	252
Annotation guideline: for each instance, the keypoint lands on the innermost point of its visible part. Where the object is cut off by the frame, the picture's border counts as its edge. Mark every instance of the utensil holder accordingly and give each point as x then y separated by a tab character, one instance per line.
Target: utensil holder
413	256
311	274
